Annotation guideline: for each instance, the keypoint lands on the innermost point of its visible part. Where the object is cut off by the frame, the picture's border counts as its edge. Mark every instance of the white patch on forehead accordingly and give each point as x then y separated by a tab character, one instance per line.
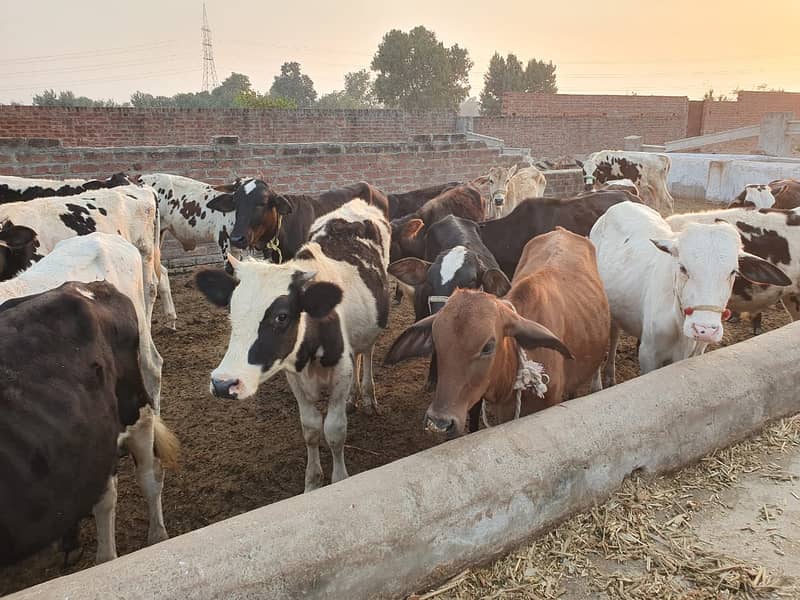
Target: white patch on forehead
85	293
452	262
249	186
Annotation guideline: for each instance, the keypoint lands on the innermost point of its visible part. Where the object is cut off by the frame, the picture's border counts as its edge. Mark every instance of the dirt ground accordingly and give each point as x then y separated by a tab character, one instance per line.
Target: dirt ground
240	455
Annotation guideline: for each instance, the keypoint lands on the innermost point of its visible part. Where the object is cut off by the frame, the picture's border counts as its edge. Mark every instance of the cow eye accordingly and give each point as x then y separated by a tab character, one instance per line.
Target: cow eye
281	317
684	271
488	348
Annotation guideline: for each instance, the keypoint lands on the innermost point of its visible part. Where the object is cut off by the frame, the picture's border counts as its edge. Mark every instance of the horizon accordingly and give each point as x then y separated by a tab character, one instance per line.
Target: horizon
156	48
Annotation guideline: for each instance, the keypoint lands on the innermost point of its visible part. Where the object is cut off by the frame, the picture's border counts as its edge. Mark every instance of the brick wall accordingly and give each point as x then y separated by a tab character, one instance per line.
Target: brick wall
298	168
102	127
522	104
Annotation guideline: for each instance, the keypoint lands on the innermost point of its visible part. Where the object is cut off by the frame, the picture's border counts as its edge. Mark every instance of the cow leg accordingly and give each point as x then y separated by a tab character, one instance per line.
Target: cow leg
336	418
735	317
311	420
791	302
609	370
105	516
398	294
475	417
150	362
648	356
597	381
756	323
71	546
367	387
165	291
140	440
354	399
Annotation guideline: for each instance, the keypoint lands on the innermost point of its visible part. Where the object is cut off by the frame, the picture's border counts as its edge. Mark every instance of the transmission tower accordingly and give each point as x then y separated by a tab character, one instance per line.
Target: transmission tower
209	71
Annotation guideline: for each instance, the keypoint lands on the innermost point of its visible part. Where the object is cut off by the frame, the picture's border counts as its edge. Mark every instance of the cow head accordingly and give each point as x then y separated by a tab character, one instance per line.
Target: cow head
589	173
273	308
17	250
706	259
498	179
455	268
258	209
757	195
475	336
408	237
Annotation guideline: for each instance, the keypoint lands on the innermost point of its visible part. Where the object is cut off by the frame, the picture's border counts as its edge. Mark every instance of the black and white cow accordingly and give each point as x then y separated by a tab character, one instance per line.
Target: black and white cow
193	211
72	395
646	170
20	189
312	318
129	211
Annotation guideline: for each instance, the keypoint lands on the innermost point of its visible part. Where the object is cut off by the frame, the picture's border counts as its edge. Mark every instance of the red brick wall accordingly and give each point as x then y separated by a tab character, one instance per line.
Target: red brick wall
554	136
522	104
695	120
102	127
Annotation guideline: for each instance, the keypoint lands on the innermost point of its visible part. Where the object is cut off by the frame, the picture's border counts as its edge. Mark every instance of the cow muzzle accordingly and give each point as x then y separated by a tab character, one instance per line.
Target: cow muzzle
238	241
439	424
709	334
499	200
225	388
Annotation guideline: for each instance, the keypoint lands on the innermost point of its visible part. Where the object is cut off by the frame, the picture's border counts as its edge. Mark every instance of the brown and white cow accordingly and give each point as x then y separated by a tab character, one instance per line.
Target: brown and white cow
556	310
314	318
72	397
509	187
648	171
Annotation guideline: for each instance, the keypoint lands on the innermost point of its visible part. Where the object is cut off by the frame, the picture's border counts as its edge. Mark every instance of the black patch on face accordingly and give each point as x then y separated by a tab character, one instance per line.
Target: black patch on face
766	243
340	241
78	219
277	331
321	333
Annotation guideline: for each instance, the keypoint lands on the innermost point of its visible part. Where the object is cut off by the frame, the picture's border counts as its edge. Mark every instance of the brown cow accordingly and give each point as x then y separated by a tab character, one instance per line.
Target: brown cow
556	308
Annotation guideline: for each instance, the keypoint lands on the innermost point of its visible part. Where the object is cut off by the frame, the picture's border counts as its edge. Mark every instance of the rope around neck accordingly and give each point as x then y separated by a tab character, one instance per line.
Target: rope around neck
273	244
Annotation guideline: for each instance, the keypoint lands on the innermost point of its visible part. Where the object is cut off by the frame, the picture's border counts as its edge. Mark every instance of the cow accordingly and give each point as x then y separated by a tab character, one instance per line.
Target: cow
315	317
402	204
280	223
508	187
619	184
193	211
409	232
506	237
771	234
129	211
646	170
17	250
669	290
556	309
460	260
781	194
20	189
72	397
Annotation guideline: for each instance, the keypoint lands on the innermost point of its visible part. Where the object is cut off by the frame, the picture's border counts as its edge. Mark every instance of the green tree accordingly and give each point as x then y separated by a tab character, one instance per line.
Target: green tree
359	87
294	85
417	72
68	98
228	91
540	77
252	99
507	75
144	100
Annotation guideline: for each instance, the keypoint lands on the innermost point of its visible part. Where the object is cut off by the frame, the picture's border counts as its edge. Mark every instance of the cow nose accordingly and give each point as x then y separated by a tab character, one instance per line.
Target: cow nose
238	241
439	424
499	200
705	332
222	387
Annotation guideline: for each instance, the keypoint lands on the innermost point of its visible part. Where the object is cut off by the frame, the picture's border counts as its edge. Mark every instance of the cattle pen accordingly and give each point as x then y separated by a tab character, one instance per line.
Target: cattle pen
417	512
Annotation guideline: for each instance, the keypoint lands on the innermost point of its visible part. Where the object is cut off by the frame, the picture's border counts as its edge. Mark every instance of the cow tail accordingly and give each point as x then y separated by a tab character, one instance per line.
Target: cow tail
167	445
157	242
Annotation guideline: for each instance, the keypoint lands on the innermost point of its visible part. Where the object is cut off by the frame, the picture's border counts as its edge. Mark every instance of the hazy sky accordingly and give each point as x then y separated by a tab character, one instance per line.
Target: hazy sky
683	47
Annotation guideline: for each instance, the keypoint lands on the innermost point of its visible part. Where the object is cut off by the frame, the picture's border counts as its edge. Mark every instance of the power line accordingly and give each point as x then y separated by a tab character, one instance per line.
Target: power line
96	67
149	74
89	53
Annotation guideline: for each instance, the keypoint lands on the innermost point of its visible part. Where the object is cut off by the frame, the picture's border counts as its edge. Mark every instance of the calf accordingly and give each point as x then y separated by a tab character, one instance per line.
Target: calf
20	189
129	211
509	187
406	203
505	238
72	394
670	290
312	317
193	211
280	223
771	234
646	170
556	308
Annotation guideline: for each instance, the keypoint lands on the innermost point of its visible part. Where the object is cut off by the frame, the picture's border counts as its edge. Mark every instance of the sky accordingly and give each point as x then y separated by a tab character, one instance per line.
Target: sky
108	49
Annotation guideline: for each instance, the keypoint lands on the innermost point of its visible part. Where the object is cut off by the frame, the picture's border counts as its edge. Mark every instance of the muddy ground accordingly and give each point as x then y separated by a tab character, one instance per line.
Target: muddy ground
240	455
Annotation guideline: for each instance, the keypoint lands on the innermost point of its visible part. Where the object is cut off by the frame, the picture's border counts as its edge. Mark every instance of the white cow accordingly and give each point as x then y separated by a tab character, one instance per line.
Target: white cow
193	211
646	170
311	317
16	189
96	257
129	211
669	290
508	187
754	194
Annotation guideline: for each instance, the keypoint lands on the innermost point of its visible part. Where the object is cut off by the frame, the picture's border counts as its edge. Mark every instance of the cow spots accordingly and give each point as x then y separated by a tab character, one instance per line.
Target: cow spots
78	219
348	242
102	211
321	334
618	168
766	243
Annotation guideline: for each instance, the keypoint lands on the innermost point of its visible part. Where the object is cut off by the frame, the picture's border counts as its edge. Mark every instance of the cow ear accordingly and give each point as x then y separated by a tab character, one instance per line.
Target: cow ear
411	271
414	342
666	245
17	237
320	298
512	171
530	334
482	180
412	228
494	281
281	204
227	188
216	285
579	163
758	270
223	203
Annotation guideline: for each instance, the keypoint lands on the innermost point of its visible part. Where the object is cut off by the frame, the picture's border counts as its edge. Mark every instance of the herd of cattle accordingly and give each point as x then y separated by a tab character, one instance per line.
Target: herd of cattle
518	300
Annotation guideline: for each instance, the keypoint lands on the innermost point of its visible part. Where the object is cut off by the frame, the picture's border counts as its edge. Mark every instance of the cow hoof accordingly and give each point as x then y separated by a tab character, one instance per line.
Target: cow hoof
371	408
758	331
313	485
157	536
72	556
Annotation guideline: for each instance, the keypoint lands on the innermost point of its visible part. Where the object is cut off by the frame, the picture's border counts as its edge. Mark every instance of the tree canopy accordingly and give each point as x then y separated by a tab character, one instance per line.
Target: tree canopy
294	85
508	75
415	71
357	93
